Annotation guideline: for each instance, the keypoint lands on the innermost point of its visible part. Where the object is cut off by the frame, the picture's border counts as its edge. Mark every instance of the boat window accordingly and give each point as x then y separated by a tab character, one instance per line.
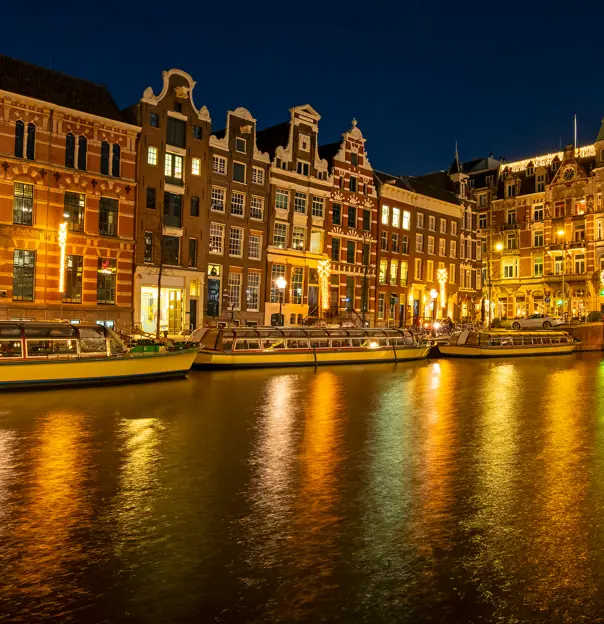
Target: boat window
51	348
116	346
517	340
92	341
358	342
297	343
273	343
472	339
208	340
247	344
339	343
319	343
453	340
537	340
10	348
196	335
51	331
10	331
227	344
494	341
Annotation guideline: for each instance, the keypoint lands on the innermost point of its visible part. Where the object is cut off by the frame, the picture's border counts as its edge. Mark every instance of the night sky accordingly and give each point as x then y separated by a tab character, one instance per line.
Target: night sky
501	78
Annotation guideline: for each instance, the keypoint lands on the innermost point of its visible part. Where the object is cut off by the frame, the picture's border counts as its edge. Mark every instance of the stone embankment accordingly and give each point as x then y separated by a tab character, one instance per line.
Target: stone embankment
591	335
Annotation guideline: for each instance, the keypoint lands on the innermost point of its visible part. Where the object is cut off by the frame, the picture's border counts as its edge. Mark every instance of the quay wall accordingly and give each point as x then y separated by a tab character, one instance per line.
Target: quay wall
591	335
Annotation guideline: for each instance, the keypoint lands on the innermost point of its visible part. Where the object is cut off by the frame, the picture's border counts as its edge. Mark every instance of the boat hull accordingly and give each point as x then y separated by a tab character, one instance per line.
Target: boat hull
283	358
497	352
90	371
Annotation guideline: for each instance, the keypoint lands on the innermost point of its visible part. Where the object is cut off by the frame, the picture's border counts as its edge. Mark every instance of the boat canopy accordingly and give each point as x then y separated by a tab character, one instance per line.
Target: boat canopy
506	338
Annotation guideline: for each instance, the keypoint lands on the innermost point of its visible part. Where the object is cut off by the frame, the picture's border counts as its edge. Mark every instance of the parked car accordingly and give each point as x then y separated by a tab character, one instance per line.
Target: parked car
537	320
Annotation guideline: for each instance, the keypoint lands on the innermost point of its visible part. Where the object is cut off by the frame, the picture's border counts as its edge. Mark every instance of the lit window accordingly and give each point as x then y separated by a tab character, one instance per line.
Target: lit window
219	165
298	238
393	272
443	226
404	273
383	270
453	228
173	167
257	175
385	215
396	217
277	271
538	267
419	242
420	220
418	268
453	249
196	166
406	219
152	155
23	204
381	305
442	247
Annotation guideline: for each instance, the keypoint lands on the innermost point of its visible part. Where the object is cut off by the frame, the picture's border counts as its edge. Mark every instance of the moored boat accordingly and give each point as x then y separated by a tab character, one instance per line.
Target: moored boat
234	347
56	354
495	343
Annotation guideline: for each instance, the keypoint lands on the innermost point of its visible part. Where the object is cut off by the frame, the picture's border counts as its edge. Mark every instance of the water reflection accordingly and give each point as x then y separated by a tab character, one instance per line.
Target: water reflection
50	558
8	466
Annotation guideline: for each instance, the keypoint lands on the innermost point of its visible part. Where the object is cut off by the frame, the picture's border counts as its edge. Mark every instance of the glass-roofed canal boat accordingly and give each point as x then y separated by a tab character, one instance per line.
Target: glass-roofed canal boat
234	347
501	343
56	354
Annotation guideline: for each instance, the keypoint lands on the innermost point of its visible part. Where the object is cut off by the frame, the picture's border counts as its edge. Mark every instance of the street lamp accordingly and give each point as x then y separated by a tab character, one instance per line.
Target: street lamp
281	283
560	234
433	295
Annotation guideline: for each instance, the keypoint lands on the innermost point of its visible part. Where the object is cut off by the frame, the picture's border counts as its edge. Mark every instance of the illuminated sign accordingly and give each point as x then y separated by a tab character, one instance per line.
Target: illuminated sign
324	271
441	278
62	246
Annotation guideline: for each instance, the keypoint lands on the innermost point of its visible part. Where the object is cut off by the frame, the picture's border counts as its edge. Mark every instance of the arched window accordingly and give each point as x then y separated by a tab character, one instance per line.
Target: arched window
19	134
31	142
82	147
70	150
115	164
105	158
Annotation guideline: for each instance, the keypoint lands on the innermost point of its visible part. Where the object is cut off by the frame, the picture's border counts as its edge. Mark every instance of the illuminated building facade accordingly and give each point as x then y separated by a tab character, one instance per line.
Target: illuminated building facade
234	234
172	201
300	188
67	198
541	222
351	232
419	238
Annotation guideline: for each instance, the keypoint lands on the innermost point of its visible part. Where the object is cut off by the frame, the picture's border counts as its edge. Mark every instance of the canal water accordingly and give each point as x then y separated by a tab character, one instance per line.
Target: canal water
448	491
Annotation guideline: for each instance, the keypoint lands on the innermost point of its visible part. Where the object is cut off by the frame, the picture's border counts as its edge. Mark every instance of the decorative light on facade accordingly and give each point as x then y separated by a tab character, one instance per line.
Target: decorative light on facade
62	246
324	271
441	277
546	160
602	278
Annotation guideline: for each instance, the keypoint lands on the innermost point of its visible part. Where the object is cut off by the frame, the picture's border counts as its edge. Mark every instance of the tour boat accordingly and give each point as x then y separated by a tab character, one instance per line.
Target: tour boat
235	347
57	353
494	343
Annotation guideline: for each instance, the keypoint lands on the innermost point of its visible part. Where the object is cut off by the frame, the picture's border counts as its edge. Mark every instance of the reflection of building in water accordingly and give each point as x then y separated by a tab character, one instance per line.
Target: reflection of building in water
8	450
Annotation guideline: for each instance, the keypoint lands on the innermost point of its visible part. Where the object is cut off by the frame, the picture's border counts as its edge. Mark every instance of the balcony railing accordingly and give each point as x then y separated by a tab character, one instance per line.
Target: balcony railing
568	277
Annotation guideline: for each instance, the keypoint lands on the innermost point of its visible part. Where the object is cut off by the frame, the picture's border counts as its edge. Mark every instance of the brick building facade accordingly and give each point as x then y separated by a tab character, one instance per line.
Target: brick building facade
67	198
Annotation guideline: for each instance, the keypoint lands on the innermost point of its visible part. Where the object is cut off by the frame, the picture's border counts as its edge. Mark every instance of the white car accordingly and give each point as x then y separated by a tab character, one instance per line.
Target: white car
538	321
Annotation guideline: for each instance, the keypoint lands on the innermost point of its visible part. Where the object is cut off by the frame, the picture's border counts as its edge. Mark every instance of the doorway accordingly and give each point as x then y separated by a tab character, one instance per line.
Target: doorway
213	297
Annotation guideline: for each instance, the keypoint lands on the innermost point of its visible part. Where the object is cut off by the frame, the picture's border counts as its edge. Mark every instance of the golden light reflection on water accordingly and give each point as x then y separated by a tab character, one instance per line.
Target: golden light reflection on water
141	438
315	520
8	451
438	424
559	549
56	506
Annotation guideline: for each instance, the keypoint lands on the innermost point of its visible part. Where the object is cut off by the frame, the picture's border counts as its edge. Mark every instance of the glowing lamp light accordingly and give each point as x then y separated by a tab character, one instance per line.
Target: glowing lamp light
324	271
62	246
498	246
437	325
281	282
441	277
373	345
560	233
433	293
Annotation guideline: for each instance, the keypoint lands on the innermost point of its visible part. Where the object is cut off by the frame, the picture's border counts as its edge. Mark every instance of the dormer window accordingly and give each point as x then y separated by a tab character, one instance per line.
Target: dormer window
540	183
530	171
504	175
462	189
489	180
354	159
240	145
554	165
303	168
510	190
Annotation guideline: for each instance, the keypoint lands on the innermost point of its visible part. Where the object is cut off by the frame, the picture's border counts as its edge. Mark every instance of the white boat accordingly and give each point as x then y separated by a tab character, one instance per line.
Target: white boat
495	343
234	347
58	354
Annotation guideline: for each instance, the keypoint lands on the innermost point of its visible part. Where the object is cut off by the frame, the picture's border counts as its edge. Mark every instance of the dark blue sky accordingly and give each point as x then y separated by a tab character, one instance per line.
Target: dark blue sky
499	77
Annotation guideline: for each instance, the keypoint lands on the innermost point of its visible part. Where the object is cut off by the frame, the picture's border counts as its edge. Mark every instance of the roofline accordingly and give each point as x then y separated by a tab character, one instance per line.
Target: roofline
71	111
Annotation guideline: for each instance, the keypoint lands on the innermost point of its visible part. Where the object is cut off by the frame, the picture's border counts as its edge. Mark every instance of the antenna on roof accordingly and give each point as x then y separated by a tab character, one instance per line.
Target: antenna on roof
575	131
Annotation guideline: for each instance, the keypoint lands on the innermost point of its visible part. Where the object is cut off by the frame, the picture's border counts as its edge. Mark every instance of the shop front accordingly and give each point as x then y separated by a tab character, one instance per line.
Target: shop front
177	303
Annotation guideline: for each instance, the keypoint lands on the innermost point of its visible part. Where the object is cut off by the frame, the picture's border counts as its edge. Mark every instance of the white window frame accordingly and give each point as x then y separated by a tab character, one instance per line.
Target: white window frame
281	194
195	166
244	150
396	217
219	165
253	288
257	175
232	231
419	220
254	240
283	226
406	222
152	155
218	194
217	236
257	204
240	196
